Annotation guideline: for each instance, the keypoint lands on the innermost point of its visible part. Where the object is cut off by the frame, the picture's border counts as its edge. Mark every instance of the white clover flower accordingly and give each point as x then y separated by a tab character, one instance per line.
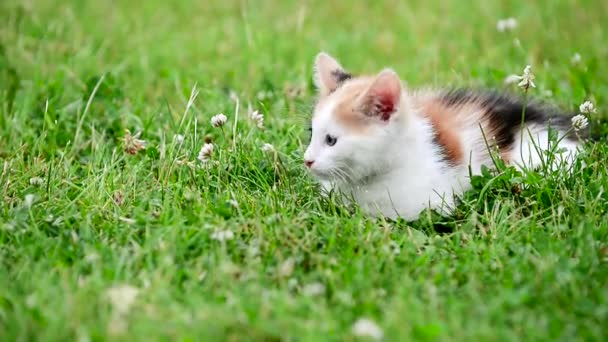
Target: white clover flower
219	120
131	143
508	24
286	268
292	283
579	122
524	81
205	154
179	138
258	118
122	297
253	250
267	147
185	162
28	200
234	97
36	181
263	95
313	289
222	235
587	107
512	79
31	300
364	327
91	257
576	58
527	79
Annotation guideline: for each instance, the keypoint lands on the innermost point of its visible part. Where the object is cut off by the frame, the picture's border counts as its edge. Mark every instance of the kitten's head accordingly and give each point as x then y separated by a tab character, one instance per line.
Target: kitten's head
354	122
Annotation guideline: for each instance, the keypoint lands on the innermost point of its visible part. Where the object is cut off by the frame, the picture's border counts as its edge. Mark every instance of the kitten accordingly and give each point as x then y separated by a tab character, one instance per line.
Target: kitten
396	151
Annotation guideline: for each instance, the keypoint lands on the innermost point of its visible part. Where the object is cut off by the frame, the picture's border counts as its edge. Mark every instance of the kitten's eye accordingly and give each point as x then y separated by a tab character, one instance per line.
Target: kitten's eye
330	141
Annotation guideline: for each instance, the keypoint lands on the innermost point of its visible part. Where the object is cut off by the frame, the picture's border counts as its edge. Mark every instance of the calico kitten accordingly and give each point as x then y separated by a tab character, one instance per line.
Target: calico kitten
397	152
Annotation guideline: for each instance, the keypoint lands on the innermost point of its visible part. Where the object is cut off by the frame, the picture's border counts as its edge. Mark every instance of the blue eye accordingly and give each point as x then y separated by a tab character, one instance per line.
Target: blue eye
330	141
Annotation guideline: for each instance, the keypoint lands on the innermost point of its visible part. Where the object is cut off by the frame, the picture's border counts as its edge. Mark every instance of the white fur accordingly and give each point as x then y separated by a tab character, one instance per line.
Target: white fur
531	144
396	170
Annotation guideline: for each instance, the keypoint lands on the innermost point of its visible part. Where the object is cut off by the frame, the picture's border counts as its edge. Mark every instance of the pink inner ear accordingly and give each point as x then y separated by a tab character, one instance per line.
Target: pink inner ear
384	104
382	98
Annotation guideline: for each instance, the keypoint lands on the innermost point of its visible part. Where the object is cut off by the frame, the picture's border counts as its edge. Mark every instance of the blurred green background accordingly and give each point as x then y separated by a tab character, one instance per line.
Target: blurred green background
529	266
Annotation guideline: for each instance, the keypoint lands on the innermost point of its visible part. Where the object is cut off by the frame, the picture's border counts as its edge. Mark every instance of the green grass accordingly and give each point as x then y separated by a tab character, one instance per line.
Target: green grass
524	258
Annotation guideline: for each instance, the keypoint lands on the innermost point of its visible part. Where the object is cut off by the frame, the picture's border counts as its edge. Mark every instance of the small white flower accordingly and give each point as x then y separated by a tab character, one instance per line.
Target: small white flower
292	283
179	138
364	327
233	203
286	268
527	79
254	249
263	95
131	143
501	25
222	235
587	107
267	147
258	118
185	162
508	24
36	181
576	58
28	200
122	297
31	301
205	154
579	122
313	289
91	257
524	81
234	97
219	120
512	79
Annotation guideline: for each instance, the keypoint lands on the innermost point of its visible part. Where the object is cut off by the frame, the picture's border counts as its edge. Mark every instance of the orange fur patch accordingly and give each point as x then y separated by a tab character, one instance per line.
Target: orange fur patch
446	121
506	156
345	110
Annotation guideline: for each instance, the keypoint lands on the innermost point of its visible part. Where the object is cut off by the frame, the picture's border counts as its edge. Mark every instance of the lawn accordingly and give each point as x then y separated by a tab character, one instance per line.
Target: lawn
97	243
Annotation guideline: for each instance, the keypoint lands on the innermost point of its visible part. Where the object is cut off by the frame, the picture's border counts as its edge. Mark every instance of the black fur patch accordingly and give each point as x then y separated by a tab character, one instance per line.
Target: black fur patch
341	76
505	112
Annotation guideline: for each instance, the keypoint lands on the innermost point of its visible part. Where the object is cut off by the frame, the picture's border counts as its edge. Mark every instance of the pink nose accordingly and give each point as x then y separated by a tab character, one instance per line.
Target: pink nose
309	163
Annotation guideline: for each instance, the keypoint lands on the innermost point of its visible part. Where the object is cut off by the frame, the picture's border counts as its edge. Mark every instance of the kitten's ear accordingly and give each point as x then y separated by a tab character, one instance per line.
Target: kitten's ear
328	73
383	96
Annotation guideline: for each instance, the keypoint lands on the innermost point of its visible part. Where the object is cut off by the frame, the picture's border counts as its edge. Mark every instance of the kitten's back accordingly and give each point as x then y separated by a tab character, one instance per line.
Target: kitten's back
465	120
